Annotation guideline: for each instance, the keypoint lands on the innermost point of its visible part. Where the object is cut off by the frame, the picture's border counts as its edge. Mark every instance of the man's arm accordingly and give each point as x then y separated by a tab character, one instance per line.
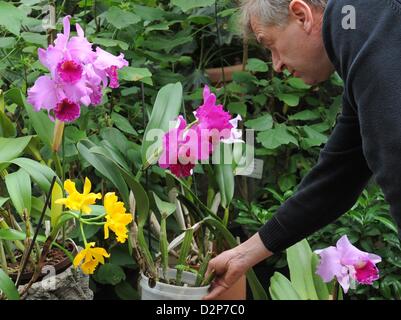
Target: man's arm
327	191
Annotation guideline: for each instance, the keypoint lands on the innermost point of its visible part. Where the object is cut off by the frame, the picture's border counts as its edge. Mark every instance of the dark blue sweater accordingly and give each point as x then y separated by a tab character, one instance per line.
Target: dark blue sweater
366	140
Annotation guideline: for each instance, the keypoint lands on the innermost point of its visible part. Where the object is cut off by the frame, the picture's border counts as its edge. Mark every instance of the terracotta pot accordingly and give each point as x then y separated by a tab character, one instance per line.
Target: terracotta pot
236	292
59	266
215	75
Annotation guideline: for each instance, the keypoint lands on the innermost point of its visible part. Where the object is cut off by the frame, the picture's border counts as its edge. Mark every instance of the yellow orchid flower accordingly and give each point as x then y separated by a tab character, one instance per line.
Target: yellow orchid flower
79	201
116	217
92	256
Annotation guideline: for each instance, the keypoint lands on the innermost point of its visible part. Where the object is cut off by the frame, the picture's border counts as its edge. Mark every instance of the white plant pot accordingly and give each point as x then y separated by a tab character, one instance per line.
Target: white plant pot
164	291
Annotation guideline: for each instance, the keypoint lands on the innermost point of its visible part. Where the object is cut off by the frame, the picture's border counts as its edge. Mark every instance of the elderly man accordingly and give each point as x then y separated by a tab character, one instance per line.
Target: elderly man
361	40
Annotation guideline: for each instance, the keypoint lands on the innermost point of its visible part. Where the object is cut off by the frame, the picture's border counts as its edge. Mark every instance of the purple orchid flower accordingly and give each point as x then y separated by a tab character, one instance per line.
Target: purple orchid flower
347	263
77	75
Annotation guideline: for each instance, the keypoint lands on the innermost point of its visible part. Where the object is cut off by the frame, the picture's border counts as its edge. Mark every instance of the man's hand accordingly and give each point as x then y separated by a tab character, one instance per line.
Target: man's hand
232	264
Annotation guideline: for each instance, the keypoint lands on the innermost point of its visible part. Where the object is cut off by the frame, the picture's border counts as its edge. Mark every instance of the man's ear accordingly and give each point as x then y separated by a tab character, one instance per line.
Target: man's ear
302	13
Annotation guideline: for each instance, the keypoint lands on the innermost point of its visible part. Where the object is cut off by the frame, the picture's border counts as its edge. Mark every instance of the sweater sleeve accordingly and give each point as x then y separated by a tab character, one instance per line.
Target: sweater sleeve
327	191
379	104
367	137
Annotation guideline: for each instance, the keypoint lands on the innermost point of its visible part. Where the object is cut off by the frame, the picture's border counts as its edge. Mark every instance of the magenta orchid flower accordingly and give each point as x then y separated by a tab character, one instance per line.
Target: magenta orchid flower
175	149
211	116
77	75
346	263
184	146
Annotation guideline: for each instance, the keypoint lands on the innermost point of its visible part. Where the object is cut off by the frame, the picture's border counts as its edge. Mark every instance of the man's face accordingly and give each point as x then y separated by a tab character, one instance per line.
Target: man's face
296	47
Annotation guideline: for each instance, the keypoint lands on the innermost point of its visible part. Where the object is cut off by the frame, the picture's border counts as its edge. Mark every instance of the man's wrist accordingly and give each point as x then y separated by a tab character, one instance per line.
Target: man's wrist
252	251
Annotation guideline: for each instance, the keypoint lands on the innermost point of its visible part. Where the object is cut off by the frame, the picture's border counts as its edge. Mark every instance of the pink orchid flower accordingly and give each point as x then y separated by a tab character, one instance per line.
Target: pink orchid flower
183	147
76	75
211	116
175	150
347	263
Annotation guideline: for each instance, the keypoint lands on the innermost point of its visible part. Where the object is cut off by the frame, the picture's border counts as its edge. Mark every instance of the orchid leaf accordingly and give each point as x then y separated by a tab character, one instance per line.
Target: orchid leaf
7	286
166	108
299	257
282	289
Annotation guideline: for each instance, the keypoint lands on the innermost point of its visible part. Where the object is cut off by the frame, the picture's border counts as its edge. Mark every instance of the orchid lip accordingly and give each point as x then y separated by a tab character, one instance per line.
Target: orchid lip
69	71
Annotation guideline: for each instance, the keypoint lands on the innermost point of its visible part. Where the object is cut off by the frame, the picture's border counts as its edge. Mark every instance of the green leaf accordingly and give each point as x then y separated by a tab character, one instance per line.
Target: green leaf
278	136
313	139
256	65
186	5
262	123
126	292
3	201
298	83
166	108
123	124
35	38
111	43
165	208
109	273
142	203
305	115
389	224
119	255
148	13
121	18
7	286
142	200
7	128
281	288
134	74
287	181
11	148
56	209
165	43
11	235
112	153
43	126
105	166
299	257
289	99
11	17
225	175
321	288
7	42
237	107
19	188
40	173
164	26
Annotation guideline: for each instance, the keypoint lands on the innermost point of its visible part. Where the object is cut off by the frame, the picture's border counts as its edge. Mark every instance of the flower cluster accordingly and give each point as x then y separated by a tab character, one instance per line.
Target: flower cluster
116	220
347	263
77	75
185	145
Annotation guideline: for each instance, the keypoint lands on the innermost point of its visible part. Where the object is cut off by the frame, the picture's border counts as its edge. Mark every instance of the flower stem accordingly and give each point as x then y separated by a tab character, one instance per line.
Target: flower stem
81	228
226	215
57	164
3	260
94	219
335	290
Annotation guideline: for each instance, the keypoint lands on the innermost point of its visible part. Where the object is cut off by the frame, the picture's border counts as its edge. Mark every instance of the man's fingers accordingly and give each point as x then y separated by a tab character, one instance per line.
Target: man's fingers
216	291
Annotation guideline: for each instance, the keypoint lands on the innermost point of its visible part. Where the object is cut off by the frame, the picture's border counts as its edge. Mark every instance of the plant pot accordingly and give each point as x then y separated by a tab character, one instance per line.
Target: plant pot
56	258
59	280
215	75
70	284
164	291
235	292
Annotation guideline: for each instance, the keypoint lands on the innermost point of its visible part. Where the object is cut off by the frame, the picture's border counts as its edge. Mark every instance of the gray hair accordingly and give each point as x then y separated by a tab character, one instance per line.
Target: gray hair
269	12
